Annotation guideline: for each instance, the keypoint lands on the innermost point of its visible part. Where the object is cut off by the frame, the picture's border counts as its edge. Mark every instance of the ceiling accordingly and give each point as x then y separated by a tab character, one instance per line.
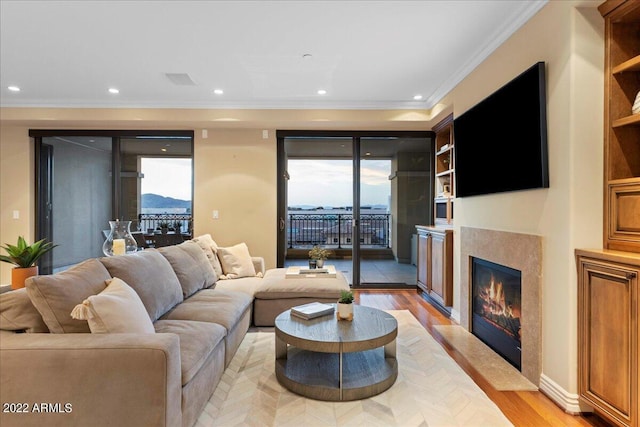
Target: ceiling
262	54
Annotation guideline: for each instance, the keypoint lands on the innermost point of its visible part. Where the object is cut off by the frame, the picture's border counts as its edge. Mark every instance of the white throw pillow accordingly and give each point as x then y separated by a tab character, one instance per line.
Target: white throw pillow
210	248
236	262
117	309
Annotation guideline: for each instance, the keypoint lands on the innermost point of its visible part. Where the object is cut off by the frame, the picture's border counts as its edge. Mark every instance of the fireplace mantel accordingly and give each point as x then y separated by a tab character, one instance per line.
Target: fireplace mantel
521	252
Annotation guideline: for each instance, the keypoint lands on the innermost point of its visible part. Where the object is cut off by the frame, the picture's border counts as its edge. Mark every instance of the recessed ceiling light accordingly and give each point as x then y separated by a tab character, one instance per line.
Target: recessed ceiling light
163	149
306	56
367	153
14	88
322	92
113	90
218	91
417	97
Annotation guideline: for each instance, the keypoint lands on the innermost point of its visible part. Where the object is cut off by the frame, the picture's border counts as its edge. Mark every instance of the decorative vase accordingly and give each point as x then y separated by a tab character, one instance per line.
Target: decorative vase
345	311
19	275
120	241
320	263
313	263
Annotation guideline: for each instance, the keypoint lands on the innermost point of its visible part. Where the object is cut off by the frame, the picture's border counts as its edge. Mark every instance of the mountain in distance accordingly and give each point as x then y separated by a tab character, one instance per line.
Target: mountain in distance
155	201
313	207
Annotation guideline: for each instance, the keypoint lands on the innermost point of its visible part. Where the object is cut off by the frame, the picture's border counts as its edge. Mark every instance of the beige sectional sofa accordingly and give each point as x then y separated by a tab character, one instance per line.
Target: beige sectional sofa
55	372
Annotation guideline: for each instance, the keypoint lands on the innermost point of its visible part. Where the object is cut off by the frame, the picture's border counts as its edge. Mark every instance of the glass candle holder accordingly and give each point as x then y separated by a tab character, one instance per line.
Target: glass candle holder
120	241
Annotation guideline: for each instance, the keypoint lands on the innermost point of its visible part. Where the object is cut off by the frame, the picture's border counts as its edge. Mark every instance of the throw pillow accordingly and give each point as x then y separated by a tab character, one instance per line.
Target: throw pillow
17	313
55	295
117	309
210	248
236	262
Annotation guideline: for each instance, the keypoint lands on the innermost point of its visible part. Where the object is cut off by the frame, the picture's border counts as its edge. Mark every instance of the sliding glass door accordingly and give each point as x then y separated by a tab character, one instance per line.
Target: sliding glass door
358	194
85	179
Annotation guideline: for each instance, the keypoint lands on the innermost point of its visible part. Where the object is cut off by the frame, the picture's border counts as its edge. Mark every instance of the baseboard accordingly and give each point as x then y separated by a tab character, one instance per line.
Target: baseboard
569	402
455	315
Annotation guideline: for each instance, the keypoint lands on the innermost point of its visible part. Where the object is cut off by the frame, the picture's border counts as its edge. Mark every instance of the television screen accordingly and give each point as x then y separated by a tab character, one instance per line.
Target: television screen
501	143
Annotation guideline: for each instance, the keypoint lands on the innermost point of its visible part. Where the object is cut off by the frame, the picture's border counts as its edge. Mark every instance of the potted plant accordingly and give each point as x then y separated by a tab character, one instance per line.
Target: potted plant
345	305
163	226
319	255
24	257
177	225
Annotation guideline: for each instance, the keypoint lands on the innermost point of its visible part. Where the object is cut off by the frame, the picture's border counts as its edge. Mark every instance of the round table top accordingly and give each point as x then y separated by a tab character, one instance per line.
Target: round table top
370	328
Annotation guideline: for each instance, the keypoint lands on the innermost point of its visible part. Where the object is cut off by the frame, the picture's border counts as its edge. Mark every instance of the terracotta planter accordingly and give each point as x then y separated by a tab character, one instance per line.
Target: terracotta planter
345	311
20	274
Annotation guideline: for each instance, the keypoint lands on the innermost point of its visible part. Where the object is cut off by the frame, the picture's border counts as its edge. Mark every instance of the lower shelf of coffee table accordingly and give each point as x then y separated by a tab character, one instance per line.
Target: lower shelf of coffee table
317	375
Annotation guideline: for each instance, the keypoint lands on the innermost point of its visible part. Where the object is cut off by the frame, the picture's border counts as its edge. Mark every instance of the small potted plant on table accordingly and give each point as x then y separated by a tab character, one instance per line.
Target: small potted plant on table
345	305
319	255
163	226
24	257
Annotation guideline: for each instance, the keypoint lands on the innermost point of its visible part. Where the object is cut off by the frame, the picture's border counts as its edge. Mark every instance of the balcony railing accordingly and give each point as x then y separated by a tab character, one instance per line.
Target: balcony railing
153	221
335	230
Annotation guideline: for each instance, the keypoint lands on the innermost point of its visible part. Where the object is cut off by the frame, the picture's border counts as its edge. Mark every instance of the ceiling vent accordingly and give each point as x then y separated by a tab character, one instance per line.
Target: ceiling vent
180	79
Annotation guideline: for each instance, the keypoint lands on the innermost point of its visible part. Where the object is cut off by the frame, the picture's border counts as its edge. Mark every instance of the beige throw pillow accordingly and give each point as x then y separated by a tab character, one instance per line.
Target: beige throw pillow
117	309
236	262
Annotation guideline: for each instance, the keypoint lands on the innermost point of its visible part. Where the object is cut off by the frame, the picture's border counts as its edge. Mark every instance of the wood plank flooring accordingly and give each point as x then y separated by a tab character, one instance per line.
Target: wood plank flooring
523	408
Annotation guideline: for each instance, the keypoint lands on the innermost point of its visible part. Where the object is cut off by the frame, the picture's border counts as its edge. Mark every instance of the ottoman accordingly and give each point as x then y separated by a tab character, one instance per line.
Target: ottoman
278	293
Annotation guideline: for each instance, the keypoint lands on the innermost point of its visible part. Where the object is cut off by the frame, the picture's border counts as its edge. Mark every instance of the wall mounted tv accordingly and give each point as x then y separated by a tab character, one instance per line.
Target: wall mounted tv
501	143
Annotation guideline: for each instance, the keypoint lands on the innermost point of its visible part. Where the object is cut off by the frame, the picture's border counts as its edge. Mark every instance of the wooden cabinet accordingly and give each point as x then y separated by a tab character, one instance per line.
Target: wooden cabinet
621	127
444	171
435	264
609	334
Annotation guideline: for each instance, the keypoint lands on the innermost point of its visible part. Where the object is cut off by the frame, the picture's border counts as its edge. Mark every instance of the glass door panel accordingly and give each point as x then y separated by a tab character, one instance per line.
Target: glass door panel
319	200
394	197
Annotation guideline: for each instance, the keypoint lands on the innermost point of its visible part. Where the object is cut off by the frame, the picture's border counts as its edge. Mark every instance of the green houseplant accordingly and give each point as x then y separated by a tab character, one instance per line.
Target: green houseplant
345	305
163	226
24	257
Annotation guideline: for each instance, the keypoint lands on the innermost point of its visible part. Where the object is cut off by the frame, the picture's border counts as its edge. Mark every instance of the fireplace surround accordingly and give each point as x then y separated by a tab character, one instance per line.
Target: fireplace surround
517	251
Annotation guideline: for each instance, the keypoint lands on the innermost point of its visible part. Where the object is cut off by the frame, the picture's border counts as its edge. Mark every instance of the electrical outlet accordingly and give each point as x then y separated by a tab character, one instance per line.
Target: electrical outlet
216	214
16	214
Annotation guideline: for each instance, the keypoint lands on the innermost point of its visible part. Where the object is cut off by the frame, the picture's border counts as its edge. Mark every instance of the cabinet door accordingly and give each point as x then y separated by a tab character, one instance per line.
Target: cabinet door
423	260
441	268
608	339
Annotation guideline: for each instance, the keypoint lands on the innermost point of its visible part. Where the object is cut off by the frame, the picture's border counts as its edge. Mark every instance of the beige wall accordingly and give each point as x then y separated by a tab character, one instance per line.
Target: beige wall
569	213
235	169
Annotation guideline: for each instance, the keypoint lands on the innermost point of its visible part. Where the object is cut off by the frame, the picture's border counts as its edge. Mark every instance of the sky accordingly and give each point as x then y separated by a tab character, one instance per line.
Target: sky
329	182
312	182
176	184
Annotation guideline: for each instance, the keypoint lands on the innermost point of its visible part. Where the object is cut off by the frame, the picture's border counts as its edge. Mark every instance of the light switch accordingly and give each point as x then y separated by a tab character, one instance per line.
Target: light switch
216	214
16	214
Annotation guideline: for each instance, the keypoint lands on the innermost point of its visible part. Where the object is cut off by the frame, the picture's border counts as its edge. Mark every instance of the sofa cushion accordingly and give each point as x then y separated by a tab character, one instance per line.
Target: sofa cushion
247	285
236	261
214	306
197	341
191	265
17	313
275	285
151	276
117	309
54	296
210	249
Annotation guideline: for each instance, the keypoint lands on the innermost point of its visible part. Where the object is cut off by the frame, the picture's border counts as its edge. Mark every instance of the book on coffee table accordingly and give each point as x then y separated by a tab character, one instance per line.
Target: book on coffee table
297	272
312	310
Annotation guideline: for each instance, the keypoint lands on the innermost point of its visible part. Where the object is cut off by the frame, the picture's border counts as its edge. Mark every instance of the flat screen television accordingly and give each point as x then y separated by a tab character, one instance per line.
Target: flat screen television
501	143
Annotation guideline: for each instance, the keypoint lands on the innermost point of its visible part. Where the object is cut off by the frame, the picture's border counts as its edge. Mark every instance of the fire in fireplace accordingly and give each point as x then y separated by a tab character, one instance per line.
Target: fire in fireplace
496	308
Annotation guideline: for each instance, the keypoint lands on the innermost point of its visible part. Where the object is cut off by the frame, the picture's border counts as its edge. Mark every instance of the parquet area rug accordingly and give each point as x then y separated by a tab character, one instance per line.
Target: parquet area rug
431	390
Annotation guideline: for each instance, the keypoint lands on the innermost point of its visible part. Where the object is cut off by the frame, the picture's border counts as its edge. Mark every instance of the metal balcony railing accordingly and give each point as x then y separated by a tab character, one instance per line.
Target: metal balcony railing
335	230
153	221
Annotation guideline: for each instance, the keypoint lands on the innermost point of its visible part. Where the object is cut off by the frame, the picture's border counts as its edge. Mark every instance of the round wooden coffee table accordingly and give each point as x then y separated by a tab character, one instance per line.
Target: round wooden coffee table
328	359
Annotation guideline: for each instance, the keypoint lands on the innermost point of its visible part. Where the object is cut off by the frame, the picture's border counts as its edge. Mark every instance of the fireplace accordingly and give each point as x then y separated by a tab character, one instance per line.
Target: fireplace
497	308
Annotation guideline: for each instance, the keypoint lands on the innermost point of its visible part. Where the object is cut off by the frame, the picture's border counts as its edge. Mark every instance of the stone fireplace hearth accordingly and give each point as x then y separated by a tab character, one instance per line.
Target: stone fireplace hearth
521	252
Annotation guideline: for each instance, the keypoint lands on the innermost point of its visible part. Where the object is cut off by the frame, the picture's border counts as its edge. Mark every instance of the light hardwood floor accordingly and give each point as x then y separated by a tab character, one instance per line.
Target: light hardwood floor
523	408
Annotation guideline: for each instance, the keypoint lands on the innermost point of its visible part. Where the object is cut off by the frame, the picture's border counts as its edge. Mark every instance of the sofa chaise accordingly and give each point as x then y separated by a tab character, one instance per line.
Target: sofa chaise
196	301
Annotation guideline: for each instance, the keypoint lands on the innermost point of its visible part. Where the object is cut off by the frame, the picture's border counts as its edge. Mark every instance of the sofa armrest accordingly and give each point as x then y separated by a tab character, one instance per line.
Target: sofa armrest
258	264
90	379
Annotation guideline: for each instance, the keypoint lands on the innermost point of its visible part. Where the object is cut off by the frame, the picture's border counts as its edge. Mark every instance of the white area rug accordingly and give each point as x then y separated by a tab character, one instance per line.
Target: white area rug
431	390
